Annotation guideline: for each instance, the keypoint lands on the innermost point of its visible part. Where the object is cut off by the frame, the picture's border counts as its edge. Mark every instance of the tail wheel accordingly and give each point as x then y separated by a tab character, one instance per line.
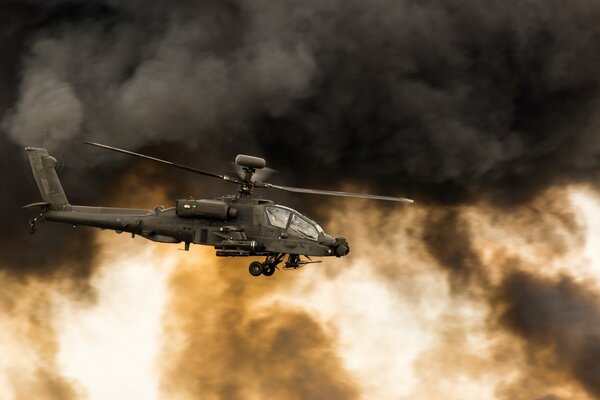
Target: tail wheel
268	270
256	268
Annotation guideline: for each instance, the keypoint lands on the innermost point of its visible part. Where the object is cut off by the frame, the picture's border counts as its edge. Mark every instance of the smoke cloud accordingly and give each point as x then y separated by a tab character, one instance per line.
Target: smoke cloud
472	109
560	315
551	308
29	345
224	324
505	106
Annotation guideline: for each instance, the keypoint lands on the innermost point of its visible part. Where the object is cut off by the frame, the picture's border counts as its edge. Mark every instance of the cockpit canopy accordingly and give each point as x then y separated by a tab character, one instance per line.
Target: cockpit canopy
295	223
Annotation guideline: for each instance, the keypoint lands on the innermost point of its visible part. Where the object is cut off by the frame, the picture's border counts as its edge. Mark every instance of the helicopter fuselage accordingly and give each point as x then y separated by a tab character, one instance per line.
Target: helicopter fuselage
235	226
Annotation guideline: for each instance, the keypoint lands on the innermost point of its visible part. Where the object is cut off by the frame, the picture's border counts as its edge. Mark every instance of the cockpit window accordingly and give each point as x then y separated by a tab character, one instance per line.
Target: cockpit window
278	216
300	227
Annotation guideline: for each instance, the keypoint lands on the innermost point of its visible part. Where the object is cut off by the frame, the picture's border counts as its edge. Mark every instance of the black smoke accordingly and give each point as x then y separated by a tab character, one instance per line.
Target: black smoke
445	98
448	102
439	100
453	98
555	317
562	315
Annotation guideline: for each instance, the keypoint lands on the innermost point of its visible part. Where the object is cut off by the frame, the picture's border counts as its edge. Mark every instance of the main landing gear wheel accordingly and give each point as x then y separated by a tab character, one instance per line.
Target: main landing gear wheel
268	270
256	268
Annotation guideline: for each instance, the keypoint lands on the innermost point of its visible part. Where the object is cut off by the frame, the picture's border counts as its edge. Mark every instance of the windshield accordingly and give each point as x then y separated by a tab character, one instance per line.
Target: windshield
278	216
298	226
301	227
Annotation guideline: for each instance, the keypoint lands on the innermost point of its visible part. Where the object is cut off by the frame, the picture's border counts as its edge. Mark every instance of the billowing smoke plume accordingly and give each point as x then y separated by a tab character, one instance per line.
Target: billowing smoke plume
275	351
529	293
452	103
562	317
28	343
401	93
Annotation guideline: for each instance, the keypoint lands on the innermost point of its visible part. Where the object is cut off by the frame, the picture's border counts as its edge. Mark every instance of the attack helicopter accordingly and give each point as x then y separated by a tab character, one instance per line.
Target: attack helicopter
235	225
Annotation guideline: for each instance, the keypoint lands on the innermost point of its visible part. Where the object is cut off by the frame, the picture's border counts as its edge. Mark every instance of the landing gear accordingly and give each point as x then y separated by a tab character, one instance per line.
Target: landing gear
37	220
268	270
271	263
256	268
268	267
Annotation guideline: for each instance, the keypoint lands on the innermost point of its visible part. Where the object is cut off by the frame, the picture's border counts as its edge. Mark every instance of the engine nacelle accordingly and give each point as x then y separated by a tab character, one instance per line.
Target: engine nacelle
204	209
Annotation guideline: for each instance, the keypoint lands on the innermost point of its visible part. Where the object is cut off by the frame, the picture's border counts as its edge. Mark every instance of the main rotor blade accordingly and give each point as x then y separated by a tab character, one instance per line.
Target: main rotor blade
179	166
340	194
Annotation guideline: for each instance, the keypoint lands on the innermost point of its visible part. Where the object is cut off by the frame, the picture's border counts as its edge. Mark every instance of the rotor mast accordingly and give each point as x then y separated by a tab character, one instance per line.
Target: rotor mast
246	184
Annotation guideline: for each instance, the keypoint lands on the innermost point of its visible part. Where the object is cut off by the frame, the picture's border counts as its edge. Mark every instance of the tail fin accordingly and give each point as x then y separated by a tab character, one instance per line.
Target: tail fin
44	171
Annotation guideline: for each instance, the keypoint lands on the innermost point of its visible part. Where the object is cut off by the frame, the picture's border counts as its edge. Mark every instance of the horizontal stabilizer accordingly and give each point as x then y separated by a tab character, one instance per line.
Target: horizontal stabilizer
40	204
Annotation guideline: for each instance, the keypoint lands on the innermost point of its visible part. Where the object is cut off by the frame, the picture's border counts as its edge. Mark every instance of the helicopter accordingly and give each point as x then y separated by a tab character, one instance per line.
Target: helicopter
235	225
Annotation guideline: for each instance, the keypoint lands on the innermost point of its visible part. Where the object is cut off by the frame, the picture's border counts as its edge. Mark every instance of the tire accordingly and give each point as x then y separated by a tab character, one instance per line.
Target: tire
256	268
268	270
